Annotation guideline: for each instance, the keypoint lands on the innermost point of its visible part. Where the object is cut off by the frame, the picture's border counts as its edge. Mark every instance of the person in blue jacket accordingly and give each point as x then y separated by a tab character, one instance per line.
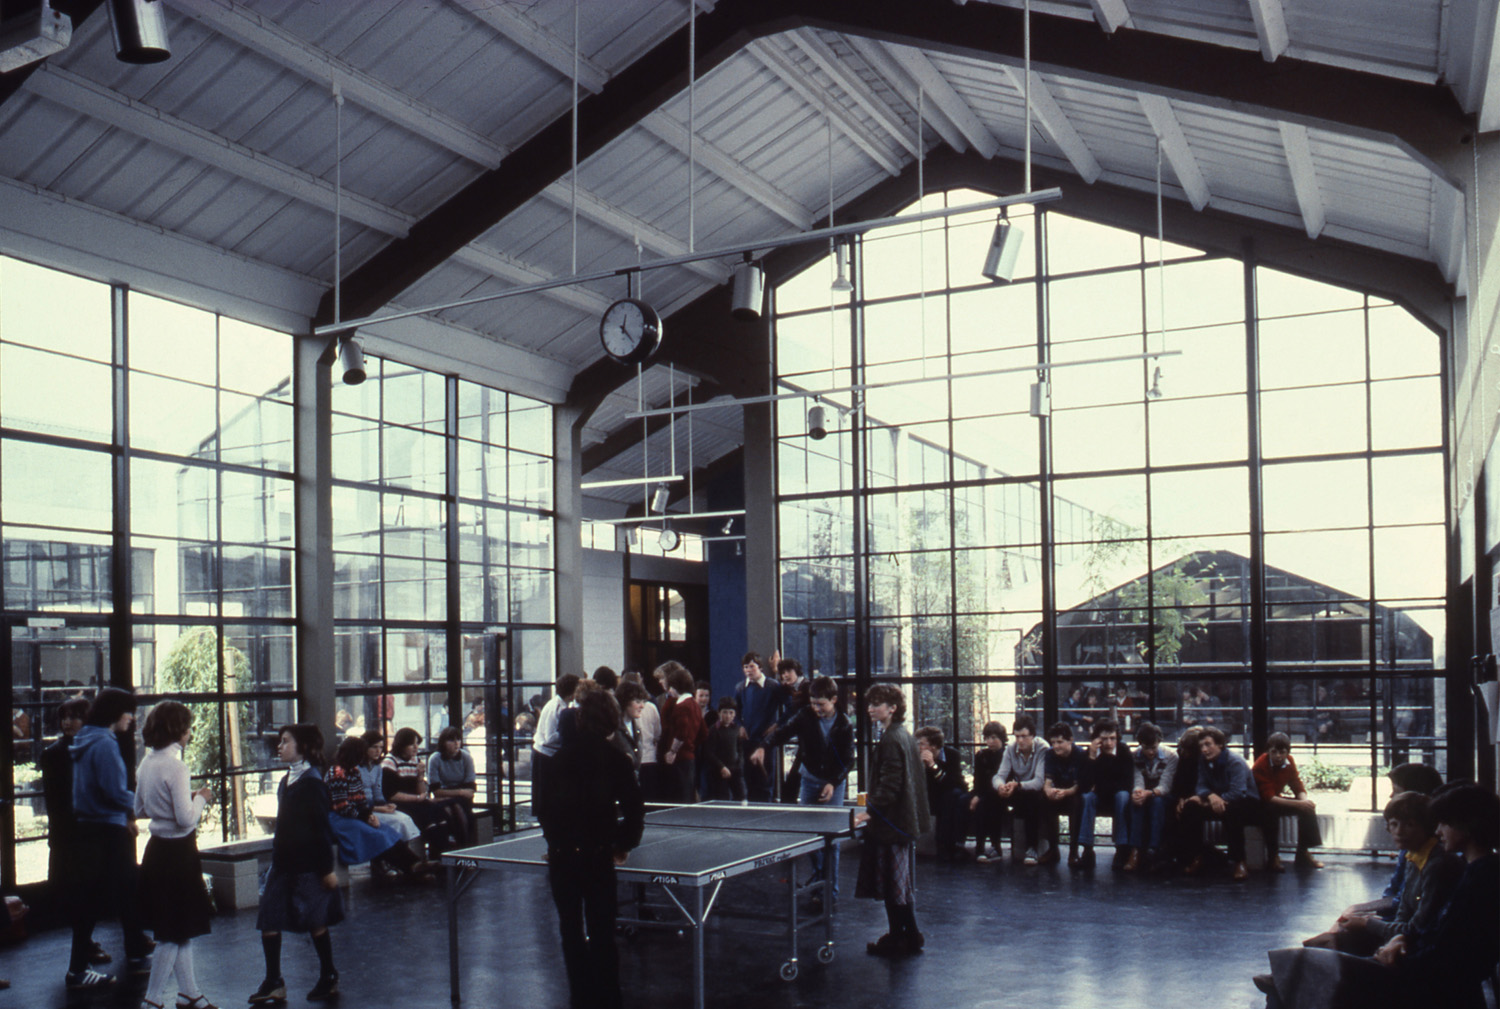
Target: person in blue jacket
1226	791
759	698
104	808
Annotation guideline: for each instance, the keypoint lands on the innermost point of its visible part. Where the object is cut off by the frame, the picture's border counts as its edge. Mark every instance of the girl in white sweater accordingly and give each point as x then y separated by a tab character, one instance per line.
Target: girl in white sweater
172	898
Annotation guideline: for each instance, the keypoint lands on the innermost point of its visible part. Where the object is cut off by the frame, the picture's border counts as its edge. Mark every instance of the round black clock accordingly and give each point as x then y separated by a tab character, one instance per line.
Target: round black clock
630	331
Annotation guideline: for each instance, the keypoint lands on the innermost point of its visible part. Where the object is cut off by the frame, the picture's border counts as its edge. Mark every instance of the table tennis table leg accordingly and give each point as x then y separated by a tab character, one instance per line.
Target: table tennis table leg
698	947
453	894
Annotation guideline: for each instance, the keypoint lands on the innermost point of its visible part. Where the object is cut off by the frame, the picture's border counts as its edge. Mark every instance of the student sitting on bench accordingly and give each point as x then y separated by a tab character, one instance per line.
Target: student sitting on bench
1276	773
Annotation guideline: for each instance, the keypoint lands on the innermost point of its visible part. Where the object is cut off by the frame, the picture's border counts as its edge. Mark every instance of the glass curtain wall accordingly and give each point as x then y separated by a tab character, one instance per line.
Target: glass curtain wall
146	501
443	559
1262	510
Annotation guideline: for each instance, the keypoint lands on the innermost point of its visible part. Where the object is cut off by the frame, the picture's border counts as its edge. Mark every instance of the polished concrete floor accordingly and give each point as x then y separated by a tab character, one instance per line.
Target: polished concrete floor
997	935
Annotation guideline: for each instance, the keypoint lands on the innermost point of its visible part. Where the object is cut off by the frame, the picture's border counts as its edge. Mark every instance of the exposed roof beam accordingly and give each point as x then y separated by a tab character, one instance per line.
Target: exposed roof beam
1174	145
1111	14
1057	124
941	93
1447	235
628	434
98	101
651	237
1304	177
858	91
884	64
262	35
793	77
516	272
714	158
1270	27
537	41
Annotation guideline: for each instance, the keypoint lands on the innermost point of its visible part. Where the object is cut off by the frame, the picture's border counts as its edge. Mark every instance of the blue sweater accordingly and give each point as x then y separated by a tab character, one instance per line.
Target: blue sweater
759	706
100	791
1227	776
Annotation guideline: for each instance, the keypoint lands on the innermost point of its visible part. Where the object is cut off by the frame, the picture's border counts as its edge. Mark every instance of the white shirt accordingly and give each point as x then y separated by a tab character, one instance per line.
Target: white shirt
545	740
650	723
164	793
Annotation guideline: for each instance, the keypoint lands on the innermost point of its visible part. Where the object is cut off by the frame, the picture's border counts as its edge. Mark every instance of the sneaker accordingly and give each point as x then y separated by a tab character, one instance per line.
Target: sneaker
1265	983
138	966
990	854
1031	857
98	957
272	989
326	988
87	980
200	1002
1052	857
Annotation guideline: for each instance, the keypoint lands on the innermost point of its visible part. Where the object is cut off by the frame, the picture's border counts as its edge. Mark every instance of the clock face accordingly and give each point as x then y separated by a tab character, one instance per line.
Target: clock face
668	540
630	331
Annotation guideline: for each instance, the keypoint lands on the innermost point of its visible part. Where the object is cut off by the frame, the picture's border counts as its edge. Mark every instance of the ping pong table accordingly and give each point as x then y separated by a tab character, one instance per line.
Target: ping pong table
687	852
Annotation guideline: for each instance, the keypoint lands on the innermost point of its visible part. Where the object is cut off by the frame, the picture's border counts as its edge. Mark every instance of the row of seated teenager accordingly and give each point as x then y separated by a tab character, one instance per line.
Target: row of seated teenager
1158	799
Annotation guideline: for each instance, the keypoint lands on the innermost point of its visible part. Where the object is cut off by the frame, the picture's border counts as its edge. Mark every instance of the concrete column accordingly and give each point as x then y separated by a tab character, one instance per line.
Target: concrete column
567	542
762	584
312	437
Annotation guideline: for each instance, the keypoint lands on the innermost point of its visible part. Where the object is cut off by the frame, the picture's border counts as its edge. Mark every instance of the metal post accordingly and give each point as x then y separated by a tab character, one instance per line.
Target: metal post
697	947
453	895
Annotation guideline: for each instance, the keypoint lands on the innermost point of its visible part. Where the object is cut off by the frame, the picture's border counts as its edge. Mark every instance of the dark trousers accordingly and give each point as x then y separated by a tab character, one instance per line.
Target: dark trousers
1308	835
541	785
1238	813
1053	810
758	779
105	874
583	888
989	818
732	787
680	779
951	819
1028	806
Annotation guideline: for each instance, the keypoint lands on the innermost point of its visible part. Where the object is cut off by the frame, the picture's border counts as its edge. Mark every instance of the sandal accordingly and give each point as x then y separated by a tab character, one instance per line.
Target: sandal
197	1002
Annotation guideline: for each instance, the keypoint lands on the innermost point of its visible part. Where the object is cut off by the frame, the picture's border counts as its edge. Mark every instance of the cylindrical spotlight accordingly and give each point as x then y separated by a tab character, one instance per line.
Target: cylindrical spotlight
1005	249
140	29
749	291
353	360
659	499
817	425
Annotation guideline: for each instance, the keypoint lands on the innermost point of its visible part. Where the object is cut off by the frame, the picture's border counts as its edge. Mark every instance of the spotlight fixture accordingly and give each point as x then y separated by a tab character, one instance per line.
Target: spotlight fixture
1005	249
841	283
353	360
817	425
659	499
31	33
1155	391
739	549
140	30
1041	399
749	290
728	525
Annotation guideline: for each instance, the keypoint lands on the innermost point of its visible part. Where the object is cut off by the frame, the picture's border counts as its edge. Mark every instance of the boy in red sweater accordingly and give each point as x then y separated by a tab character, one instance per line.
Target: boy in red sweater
1275	774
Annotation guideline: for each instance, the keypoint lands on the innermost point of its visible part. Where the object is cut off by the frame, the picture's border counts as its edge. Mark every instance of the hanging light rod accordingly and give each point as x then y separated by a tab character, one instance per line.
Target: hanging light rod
796	238
680	516
861	387
634	481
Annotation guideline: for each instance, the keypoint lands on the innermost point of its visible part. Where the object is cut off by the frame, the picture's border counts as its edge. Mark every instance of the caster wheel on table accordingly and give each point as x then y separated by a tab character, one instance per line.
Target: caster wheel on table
789	971
825	953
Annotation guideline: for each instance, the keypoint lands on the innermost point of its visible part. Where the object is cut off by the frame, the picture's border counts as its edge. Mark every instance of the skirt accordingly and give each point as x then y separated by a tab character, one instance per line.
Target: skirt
297	902
170	895
885	873
358	841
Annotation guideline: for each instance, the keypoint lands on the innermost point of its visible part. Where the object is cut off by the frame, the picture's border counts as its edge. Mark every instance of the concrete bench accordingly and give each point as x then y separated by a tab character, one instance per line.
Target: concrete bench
235	870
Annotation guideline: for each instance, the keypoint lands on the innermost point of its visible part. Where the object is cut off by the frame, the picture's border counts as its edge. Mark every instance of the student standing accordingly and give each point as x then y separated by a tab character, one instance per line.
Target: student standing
682	726
721	756
104	807
896	815
173	899
62	826
760	702
593	819
301	892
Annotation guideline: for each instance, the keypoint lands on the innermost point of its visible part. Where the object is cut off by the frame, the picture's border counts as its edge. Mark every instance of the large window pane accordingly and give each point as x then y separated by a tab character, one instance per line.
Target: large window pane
54	486
1313	421
56	311
167	338
34	382
1316	495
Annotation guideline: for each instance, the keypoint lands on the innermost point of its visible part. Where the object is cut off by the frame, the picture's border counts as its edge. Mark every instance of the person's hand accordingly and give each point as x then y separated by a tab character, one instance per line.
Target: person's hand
758	757
389	807
670	757
928	757
744	733
973	803
1391	951
1093	748
860	819
775	660
1354	922
1217	804
724	772
621	856
206	793
372	821
825	794
135	829
1007	788
1050	792
330	881
1139	796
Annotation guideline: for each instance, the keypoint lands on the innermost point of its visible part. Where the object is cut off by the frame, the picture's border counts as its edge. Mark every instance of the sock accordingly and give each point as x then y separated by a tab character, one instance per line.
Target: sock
187	978
324	945
162	966
271	944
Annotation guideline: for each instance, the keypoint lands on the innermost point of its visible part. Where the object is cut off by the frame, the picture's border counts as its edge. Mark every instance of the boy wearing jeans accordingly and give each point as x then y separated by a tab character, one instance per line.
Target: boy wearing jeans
1113	773
1155	771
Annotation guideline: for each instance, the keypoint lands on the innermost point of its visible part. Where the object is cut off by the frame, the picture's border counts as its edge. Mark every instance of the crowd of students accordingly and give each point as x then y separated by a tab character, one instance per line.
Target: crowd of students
367	805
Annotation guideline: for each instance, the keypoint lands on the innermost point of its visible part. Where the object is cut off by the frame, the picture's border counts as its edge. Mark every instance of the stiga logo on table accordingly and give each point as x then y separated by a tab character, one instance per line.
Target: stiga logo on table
664	879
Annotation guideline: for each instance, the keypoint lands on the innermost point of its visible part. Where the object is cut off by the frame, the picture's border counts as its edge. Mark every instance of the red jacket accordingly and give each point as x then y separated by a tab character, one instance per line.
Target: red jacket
683	720
1272	780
